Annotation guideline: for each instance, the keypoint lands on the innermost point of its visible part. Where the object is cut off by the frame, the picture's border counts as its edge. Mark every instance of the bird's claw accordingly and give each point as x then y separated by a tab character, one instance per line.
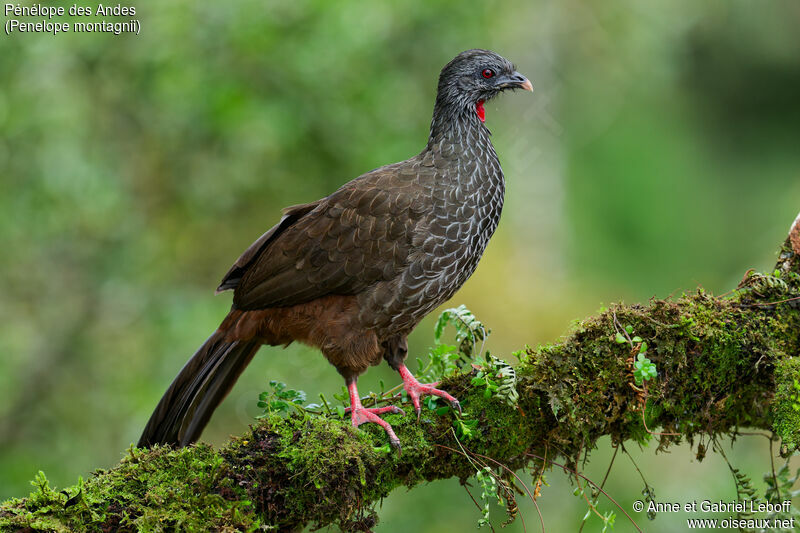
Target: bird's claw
394	442
392	409
363	415
431	391
416	390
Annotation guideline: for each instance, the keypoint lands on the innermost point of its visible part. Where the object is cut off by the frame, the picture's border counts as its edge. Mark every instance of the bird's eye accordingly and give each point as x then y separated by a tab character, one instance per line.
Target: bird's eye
487	73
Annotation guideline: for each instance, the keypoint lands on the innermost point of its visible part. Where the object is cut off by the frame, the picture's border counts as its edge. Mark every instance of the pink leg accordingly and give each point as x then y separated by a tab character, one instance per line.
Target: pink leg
360	415
416	390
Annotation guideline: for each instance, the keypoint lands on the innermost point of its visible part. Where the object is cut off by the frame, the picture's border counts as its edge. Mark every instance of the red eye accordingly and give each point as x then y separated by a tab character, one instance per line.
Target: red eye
487	73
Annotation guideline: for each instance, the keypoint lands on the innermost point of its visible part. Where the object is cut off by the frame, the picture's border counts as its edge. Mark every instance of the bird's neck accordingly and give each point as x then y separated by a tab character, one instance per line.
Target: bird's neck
457	125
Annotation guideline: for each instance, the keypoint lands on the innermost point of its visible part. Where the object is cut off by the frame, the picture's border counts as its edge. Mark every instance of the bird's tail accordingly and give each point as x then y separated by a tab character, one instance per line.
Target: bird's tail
199	388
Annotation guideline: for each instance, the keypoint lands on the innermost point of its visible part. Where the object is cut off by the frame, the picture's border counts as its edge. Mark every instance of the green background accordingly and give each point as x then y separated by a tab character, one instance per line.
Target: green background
660	150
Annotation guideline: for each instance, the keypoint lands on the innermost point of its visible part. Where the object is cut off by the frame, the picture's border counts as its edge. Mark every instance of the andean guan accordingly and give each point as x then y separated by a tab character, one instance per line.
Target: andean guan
353	273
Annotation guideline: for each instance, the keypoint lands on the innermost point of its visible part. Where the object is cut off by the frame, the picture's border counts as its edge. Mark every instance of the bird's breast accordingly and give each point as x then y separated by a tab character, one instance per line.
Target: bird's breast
465	199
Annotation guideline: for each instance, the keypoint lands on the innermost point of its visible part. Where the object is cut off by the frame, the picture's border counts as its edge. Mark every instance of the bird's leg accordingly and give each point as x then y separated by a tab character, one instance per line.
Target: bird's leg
416	390
360	415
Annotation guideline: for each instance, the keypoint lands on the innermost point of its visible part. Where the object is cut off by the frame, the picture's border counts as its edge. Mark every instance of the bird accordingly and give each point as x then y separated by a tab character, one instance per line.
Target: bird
353	273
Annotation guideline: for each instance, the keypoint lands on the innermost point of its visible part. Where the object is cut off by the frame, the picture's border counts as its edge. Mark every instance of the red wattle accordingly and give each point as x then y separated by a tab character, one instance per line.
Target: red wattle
480	111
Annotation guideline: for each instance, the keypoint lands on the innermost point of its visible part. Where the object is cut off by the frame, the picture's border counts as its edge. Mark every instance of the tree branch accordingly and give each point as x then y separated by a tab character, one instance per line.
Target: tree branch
723	363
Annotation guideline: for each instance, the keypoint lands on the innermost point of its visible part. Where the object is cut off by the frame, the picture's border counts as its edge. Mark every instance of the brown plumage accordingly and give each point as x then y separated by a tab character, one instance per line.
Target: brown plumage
355	272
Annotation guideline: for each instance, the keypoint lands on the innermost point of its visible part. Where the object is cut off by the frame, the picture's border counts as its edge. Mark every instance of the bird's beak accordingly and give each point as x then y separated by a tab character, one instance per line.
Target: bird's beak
515	80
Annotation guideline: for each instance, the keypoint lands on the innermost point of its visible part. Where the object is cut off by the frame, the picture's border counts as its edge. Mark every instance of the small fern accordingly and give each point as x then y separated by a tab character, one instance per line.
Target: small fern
779	489
469	330
488	483
763	283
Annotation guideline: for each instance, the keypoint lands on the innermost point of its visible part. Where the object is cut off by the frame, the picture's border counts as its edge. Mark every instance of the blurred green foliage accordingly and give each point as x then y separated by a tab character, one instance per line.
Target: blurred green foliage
659	151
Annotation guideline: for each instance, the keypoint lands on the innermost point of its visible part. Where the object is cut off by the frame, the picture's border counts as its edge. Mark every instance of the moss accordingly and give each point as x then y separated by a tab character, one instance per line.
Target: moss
714	359
786	407
328	460
154	490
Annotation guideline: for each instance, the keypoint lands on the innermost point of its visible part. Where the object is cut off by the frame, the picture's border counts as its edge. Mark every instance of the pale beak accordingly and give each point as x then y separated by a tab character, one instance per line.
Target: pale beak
515	81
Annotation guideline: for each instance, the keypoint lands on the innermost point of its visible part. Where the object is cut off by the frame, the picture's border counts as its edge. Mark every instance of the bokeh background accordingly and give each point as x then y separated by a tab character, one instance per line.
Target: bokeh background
660	150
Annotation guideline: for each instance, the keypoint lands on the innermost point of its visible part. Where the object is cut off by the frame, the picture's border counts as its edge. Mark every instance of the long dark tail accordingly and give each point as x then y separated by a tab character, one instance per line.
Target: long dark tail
199	388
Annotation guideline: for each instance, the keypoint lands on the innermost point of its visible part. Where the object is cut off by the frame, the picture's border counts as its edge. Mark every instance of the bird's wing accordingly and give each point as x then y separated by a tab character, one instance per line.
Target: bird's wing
361	234
291	215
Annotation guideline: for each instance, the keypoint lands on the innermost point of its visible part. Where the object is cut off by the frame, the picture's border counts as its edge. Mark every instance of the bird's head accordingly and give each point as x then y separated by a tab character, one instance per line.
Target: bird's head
474	77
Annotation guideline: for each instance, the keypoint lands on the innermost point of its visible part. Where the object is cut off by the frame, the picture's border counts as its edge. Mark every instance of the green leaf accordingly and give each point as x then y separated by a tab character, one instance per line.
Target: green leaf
464	427
278	405
441	323
620	339
385	449
643	369
280	399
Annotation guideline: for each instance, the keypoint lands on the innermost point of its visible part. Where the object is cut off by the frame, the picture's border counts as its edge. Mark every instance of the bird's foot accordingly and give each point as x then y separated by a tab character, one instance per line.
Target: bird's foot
376	411
361	415
417	390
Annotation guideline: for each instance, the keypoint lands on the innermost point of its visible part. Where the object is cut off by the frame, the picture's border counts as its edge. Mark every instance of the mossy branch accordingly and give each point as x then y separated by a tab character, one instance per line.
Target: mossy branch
723	363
